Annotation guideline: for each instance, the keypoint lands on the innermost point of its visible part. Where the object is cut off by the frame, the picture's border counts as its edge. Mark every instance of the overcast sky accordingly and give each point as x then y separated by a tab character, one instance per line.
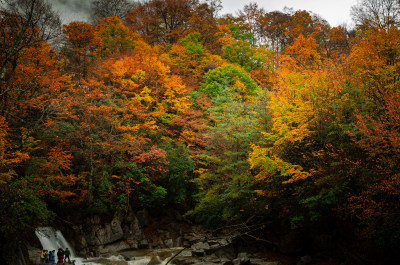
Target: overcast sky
72	10
336	12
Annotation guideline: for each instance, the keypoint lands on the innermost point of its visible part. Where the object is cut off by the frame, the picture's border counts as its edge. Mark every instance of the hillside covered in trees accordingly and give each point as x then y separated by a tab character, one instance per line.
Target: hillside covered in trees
275	120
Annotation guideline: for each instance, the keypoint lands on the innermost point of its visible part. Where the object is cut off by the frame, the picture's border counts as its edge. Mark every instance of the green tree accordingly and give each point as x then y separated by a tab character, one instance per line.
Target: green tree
230	79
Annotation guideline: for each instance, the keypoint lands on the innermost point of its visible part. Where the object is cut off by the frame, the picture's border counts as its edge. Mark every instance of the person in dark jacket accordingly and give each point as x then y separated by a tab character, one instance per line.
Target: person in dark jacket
46	257
67	254
60	256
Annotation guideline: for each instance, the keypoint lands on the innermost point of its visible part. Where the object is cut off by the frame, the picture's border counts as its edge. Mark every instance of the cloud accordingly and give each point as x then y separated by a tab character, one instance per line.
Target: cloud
334	11
72	10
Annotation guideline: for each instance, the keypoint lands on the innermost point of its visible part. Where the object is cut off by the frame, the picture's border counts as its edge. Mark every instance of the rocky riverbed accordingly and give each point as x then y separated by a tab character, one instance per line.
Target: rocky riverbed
213	251
202	250
140	239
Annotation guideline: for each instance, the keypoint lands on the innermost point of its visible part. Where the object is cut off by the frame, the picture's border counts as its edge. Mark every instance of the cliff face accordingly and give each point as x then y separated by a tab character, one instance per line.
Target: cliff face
132	230
124	232
97	235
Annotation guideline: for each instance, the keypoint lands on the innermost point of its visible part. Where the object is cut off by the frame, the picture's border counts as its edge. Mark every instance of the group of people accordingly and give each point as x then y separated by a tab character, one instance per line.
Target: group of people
48	257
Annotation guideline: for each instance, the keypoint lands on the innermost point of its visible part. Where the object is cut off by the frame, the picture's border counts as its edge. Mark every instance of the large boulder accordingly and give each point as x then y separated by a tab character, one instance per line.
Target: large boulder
185	260
98	234
241	261
132	229
129	227
114	247
199	249
133	225
263	262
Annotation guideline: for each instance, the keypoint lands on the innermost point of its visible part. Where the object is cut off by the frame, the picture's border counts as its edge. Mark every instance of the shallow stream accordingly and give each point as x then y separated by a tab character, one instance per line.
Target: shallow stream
52	239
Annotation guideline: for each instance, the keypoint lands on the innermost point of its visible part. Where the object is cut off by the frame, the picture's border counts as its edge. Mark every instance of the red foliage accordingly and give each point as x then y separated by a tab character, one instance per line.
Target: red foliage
380	138
153	161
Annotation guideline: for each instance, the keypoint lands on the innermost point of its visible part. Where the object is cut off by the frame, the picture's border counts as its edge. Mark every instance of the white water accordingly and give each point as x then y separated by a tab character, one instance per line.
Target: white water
52	239
143	261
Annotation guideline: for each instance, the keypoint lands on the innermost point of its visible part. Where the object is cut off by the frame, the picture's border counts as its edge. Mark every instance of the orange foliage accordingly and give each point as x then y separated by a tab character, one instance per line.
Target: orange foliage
82	37
373	64
84	44
54	174
8	159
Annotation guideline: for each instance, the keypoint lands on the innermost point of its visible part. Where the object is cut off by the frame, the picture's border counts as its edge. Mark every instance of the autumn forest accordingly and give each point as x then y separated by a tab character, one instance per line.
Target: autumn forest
271	119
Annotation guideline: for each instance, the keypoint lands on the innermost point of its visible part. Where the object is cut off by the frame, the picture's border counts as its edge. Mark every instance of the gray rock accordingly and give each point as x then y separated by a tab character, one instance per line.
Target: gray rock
116	232
241	261
236	262
132	228
198	252
186	253
144	243
163	233
201	246
226	261
213	258
192	237
218	243
242	255
263	262
225	253
222	261
169	243
112	248
97	234
223	242
133	244
184	260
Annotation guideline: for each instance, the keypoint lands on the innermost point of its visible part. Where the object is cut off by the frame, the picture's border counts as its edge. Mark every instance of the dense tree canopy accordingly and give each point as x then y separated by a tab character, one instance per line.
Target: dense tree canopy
257	118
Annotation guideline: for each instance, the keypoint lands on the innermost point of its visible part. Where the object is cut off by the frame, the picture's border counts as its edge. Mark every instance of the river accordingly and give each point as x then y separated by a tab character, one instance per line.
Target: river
52	239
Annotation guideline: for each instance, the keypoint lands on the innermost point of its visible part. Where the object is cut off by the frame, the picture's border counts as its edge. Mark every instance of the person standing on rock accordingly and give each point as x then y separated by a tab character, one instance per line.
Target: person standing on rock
46	258
60	256
42	255
67	254
52	259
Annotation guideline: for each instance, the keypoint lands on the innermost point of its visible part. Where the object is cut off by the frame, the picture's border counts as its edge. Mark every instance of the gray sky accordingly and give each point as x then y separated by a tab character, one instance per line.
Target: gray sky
72	10
336	12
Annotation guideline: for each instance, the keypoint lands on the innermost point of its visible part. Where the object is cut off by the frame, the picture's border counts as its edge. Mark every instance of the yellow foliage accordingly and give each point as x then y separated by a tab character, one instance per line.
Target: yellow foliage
304	92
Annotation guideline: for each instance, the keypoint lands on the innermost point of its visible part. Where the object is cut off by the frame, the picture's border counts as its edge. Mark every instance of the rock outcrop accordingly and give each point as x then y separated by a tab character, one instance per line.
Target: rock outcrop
139	230
123	233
